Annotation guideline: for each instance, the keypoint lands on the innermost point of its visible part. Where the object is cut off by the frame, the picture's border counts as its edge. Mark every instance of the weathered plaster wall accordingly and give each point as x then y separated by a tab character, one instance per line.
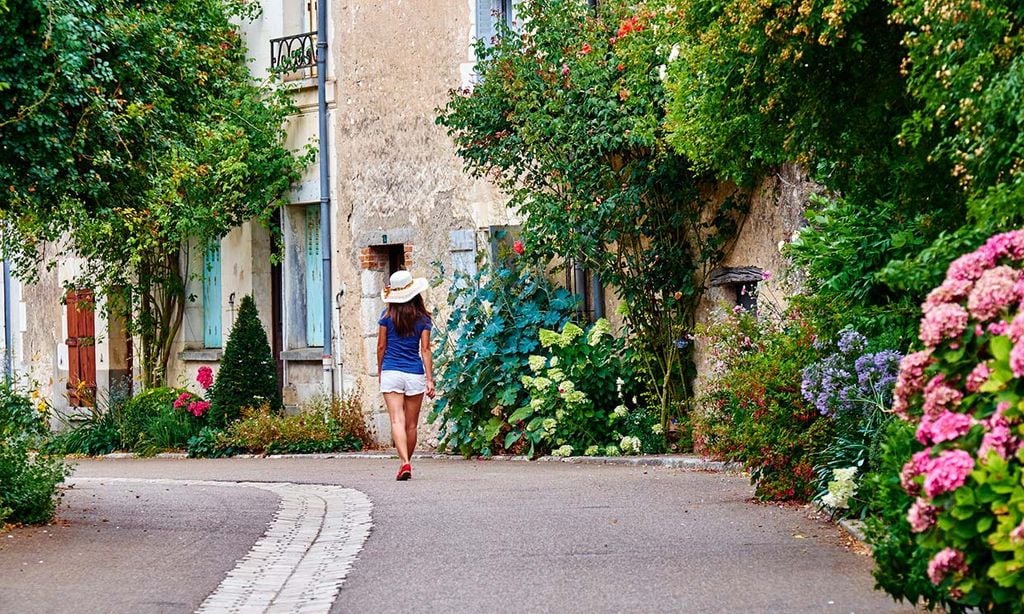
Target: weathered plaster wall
398	172
775	215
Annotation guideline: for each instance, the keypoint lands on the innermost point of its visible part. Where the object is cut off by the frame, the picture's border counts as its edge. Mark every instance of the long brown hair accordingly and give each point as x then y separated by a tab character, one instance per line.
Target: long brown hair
405	315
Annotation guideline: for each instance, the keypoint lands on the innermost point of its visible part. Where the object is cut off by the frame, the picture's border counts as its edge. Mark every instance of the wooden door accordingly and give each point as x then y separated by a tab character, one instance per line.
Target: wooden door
81	344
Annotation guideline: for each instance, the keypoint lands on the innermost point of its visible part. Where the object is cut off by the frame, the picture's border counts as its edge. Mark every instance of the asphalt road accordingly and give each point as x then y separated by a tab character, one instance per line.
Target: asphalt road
462	536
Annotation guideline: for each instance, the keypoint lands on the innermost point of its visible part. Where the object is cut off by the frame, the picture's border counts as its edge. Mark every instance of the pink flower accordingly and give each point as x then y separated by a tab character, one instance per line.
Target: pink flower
946	427
995	291
1015	329
939	397
1006	245
766	275
910	380
998	327
1017	359
947	472
978	376
182	400
945	562
917	465
969	267
518	248
921	515
998	435
951	291
565	70
198	408
945	321
205	377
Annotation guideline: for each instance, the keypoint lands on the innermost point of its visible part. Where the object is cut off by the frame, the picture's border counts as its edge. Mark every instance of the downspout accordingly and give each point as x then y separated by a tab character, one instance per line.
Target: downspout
8	336
597	295
325	191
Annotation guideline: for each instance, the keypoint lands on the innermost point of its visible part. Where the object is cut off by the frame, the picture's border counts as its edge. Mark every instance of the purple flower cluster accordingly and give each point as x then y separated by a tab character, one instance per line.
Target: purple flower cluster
849	376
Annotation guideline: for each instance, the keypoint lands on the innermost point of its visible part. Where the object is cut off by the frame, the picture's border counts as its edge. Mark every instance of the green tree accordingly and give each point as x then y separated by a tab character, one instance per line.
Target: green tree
247	377
567	119
132	130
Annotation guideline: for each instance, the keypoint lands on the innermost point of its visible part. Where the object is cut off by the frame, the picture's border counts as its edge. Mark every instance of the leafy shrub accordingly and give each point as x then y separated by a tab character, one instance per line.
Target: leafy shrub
576	401
484	350
28	482
247	377
901	567
18	416
752	410
320	426
965	394
139	412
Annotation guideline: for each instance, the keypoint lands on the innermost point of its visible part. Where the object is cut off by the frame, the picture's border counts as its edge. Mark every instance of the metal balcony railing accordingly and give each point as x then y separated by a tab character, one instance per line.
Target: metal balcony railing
289	54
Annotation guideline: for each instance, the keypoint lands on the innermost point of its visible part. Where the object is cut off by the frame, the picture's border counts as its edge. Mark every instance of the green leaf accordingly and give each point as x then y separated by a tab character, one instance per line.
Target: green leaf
512	437
1000	347
520	414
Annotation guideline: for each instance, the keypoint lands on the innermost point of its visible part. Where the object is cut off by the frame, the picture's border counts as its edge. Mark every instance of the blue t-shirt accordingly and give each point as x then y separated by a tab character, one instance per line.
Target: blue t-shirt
403	353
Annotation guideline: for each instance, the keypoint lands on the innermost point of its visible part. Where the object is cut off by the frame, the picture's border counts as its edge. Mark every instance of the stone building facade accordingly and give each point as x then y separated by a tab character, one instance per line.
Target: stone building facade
399	199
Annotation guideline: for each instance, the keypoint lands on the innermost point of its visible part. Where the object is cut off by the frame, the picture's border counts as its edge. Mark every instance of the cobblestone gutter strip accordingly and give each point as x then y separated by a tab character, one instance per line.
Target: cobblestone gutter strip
855	528
301	561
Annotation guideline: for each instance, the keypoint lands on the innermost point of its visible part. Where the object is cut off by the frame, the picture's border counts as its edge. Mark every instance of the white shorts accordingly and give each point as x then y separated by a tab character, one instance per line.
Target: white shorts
409	384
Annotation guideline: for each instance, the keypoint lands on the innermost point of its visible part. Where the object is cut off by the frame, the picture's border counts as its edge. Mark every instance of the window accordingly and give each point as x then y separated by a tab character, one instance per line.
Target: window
739	285
212	337
489	13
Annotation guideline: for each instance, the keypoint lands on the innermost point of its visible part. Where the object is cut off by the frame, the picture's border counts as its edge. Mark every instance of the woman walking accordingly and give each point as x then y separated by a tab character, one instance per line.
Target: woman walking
404	361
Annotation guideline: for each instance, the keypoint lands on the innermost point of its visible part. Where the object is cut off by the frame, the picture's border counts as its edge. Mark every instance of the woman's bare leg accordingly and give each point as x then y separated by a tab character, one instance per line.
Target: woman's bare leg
395	402
412	420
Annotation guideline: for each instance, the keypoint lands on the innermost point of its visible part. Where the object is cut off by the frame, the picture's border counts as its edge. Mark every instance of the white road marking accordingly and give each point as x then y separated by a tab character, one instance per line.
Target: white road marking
301	561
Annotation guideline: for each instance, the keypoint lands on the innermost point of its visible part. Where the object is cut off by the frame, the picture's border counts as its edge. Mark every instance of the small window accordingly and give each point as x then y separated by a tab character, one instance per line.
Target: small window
491	12
212	337
739	285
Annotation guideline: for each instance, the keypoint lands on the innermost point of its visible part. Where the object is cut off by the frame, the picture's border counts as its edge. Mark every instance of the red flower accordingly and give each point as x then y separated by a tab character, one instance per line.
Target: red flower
629	25
586	49
620	67
182	400
205	377
518	248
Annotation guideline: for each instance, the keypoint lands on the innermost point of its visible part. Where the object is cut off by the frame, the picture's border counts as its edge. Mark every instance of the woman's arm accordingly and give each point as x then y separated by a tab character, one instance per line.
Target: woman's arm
428	361
382	344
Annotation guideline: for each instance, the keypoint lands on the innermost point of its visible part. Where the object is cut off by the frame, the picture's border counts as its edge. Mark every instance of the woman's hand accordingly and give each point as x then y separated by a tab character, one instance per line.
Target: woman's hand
430	388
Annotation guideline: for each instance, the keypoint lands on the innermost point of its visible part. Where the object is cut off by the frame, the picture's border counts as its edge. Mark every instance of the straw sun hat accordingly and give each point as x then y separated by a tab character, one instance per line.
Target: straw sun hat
403	287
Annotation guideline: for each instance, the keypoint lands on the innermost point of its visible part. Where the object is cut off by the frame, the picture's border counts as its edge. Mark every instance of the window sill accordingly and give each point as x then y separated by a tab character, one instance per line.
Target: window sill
303	355
207	355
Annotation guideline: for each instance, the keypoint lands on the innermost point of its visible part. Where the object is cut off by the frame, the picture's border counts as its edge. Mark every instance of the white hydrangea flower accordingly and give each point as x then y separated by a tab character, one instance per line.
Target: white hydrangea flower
560	414
556	375
662	72
536	363
611	451
592	451
630	445
562	451
657	429
536	404
554	361
841	488
620	411
566	387
674	54
541	383
549	425
600	329
570	332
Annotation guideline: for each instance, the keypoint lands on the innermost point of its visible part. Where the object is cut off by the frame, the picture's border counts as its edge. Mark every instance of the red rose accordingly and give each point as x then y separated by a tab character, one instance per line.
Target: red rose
518	248
586	48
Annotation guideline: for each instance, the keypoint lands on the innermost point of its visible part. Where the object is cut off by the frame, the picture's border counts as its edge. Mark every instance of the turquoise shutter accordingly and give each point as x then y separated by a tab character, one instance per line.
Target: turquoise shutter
314	279
211	296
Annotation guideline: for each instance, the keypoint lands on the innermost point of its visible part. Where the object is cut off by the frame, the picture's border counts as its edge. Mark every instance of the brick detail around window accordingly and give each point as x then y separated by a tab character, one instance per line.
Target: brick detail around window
386	257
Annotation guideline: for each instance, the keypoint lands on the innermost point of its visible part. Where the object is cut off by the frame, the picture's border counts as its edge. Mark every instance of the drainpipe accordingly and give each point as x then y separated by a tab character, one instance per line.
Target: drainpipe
579	275
8	336
325	190
597	295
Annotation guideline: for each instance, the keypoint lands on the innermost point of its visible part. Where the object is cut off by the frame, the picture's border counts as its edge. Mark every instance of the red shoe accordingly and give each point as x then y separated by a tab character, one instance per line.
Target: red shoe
404	473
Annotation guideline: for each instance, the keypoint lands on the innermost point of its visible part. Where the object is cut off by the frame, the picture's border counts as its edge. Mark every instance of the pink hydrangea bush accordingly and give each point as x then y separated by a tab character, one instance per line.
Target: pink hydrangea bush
965	393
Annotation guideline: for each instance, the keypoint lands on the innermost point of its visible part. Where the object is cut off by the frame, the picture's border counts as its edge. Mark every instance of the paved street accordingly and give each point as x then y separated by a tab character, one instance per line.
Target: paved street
462	536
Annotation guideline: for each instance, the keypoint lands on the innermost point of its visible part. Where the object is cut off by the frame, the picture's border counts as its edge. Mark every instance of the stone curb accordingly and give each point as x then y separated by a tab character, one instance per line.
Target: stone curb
692	463
855	528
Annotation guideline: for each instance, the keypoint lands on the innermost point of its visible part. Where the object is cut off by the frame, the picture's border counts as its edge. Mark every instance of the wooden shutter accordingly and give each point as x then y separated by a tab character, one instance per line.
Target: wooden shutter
81	344
212	337
314	279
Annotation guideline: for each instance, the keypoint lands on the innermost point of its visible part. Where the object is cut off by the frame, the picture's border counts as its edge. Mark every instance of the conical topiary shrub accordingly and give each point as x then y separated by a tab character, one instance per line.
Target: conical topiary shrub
247	376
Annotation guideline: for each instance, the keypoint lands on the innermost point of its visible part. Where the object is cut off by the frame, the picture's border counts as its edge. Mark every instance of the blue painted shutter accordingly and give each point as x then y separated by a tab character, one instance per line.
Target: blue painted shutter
211	296
314	279
485	19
